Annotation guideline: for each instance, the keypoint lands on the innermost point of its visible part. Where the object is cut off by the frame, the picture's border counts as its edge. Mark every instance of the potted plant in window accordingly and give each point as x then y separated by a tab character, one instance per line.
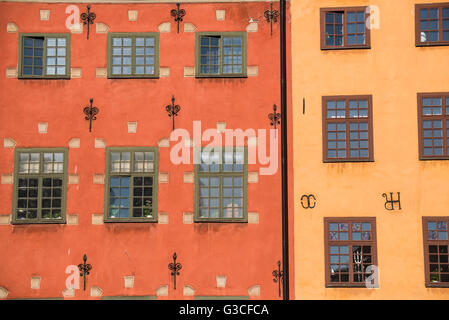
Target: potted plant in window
148	210
434	278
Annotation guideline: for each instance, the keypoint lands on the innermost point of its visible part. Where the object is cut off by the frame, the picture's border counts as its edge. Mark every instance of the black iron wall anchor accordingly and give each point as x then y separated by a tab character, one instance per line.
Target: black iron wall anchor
310	203
88	18
271	16
389	203
275	118
174	267
84	270
91	113
178	14
173	110
278	276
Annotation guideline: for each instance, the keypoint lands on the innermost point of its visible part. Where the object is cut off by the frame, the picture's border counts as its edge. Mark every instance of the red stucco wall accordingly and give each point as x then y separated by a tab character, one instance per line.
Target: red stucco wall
245	253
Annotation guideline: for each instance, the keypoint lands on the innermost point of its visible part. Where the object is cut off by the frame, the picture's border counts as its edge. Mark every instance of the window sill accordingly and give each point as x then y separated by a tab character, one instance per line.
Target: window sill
27	222
362	285
347	160
44	78
439	285
432	44
133	77
197	220
346	47
221	76
422	158
109	220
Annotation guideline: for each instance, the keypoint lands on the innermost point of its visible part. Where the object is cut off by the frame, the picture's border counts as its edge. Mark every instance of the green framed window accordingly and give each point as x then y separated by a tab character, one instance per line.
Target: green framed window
131	184
44	55
40	185
133	55
221	185
220	54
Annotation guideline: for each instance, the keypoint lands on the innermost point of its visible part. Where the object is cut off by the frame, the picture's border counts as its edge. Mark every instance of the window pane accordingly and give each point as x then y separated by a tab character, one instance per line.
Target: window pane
120	161
433	13
210	161
32	59
119	197
27	198
445	12
232	59
351	16
56	53
446	35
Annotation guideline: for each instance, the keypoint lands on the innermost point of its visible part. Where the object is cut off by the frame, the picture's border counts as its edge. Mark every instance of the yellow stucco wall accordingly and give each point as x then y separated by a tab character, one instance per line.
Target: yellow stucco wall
393	71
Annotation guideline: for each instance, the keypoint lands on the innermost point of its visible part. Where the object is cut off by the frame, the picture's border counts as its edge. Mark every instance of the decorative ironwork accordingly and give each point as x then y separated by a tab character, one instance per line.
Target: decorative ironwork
271	16
88	18
178	14
308	204
174	267
173	110
278	276
389	203
91	113
84	270
275	118
357	257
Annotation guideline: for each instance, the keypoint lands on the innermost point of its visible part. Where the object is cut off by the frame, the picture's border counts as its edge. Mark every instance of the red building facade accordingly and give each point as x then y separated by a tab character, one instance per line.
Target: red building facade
116	193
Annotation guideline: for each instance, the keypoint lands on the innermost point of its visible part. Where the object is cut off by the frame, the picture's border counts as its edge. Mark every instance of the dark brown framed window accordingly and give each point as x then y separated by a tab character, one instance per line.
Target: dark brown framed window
350	248
432	24
436	256
347	128
345	28
433	125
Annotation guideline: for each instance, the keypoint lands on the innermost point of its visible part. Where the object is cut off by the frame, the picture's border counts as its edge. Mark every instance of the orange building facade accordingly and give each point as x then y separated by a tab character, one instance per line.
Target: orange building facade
119	193
370	149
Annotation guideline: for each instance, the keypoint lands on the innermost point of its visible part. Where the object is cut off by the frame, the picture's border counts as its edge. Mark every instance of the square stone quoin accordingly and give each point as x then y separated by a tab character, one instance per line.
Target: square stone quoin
129	281
132	15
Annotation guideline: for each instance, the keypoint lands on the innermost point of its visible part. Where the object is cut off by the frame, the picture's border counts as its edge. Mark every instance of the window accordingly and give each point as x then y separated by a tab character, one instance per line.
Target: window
347	128
436	254
131	184
432	24
220	54
433	121
44	55
350	245
40	186
345	28
133	55
220	185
